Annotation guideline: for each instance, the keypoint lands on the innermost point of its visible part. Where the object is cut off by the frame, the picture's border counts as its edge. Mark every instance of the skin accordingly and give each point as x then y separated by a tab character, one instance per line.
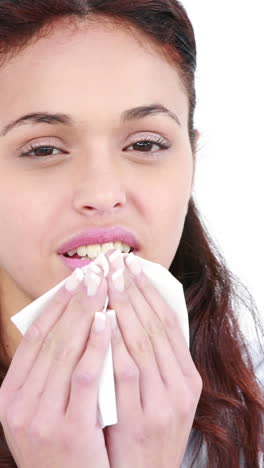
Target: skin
94	179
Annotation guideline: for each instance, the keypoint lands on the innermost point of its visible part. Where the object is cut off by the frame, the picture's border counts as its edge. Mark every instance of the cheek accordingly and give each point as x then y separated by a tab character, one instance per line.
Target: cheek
165	210
25	228
171	194
22	222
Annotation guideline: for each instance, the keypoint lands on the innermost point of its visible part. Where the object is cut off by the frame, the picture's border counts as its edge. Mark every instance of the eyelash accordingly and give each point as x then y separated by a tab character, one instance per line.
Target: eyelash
158	141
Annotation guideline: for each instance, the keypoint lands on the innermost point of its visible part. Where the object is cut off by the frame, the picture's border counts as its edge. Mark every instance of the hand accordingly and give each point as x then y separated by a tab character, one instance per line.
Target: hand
157	384
48	399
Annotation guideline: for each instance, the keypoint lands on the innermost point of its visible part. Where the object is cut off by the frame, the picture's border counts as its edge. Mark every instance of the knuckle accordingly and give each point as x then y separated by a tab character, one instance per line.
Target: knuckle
76	301
72	441
128	373
49	342
58	299
68	439
171	321
15	419
117	337
40	431
161	421
85	379
167	419
129	283
142	346
61	355
96	344
144	282
155	327
141	435
188	405
33	334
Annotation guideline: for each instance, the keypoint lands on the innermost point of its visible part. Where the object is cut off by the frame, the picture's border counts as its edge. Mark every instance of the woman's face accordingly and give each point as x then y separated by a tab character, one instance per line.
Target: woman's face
96	175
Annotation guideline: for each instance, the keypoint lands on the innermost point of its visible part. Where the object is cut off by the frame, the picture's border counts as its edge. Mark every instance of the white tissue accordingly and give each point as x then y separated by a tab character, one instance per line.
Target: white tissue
169	288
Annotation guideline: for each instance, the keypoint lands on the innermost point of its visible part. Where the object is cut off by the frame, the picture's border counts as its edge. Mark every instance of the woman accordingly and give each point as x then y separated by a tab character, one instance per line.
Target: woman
97	107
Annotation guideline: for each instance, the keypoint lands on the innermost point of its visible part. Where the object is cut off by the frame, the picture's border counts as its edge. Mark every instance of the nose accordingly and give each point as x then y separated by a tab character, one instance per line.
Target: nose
101	187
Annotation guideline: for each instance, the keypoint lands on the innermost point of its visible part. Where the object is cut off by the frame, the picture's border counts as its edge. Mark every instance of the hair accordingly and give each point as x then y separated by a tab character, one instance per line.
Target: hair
228	417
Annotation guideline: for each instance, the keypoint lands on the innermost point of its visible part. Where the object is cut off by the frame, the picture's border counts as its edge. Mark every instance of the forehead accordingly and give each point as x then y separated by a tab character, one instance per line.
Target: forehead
99	58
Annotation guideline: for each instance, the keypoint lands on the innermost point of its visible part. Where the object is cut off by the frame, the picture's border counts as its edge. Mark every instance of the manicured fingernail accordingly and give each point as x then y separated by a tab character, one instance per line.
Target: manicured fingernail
74	280
94	268
92	282
99	321
112	315
133	264
118	280
116	260
114	255
102	261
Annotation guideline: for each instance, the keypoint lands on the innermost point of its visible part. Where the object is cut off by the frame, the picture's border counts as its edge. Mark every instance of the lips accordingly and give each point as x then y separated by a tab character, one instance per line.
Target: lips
99	236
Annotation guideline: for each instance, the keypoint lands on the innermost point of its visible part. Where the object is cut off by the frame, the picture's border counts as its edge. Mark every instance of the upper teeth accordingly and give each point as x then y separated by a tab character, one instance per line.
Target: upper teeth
92	251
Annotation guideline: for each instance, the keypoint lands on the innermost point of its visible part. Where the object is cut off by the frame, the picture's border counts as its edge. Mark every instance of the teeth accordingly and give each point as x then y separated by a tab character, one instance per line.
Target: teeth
92	251
107	246
118	245
82	251
72	252
126	248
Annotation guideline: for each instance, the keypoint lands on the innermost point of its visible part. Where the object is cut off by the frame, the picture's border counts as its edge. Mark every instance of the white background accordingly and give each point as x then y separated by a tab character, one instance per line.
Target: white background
229	187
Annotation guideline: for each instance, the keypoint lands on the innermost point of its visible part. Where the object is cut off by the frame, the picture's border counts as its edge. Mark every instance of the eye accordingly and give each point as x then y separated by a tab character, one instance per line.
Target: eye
144	145
41	151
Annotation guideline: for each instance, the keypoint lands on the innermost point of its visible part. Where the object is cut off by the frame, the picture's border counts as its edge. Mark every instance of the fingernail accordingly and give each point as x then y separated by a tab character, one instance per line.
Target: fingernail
92	282
116	260
94	268
133	264
102	261
114	255
99	321
112	315
118	280
74	280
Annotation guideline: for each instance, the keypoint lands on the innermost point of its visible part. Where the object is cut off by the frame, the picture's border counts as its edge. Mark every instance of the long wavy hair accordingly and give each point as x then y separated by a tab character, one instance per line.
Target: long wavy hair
229	415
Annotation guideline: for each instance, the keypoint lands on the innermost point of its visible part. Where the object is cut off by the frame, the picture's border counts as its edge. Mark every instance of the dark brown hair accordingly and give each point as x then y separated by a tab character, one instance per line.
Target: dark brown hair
228	419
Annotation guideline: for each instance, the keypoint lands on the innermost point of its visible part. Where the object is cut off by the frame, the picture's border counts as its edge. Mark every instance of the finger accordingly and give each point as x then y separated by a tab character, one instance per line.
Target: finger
33	339
168	318
127	377
166	359
62	350
135	337
82	409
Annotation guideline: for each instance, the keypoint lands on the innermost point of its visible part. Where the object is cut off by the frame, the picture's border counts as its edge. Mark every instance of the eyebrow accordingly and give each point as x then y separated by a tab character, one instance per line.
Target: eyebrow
136	113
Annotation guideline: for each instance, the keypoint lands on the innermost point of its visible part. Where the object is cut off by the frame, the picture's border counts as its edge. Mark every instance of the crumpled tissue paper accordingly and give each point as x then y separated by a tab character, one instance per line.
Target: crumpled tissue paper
169	288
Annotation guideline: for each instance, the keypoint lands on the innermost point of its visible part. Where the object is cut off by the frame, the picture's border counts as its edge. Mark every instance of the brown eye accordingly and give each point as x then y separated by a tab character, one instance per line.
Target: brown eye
41	151
147	143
